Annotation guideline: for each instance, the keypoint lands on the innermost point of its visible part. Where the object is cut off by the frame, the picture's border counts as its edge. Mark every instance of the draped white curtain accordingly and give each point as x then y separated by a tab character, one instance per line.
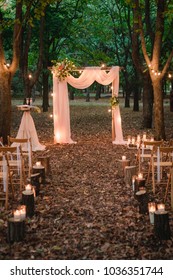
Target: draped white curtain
62	131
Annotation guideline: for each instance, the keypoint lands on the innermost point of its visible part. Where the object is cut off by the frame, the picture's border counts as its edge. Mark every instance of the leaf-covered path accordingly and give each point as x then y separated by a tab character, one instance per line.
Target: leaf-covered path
85	211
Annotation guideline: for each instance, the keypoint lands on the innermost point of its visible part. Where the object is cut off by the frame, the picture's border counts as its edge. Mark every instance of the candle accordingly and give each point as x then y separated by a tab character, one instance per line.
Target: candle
123	157
151	209
128	140
133	140
144	136
161	207
28	188
23	212
17	215
30	100
38	163
138	139
140	176
133	182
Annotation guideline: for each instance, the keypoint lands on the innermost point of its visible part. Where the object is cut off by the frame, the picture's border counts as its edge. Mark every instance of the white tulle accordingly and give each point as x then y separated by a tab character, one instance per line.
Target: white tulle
27	130
61	113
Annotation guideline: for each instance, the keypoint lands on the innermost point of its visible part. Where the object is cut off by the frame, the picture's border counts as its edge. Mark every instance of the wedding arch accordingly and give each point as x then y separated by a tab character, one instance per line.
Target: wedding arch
61	112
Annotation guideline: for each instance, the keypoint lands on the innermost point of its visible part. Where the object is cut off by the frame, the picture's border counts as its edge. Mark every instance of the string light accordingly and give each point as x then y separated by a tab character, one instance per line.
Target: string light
7	64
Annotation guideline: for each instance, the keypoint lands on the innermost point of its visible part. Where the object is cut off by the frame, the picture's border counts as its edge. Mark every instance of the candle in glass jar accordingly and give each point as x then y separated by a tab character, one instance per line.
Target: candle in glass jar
133	182
38	163
144	136
161	207
133	140
28	188
140	176
151	210
128	140
23	212
123	157
138	139
17	215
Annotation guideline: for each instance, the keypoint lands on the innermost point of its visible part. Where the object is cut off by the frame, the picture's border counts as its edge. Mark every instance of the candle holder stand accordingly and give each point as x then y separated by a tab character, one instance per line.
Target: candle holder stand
15	230
121	166
28	200
129	172
45	161
34	180
142	198
41	170
139	182
161	225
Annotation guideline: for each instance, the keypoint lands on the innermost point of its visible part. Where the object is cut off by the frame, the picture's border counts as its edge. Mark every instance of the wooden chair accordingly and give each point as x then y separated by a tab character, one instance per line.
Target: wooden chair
144	152
162	162
26	152
16	164
5	176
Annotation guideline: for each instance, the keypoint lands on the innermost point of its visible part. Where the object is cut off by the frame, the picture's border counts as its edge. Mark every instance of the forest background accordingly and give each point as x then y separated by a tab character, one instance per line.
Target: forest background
136	35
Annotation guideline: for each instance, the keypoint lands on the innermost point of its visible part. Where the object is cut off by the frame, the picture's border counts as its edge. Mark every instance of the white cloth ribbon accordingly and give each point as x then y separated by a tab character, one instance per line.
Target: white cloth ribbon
158	164
18	160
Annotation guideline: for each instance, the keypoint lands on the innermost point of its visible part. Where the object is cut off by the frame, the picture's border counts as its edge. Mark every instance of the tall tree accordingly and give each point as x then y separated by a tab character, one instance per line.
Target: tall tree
22	12
157	64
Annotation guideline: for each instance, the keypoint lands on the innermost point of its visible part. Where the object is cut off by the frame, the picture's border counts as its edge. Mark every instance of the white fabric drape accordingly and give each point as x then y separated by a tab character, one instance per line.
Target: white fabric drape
62	131
27	130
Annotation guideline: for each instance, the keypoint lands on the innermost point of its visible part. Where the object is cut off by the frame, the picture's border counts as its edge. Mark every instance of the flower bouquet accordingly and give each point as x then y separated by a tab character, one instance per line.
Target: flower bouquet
63	68
114	101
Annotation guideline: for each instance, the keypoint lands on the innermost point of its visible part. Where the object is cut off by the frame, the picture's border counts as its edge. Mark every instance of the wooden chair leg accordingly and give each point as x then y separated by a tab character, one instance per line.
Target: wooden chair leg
167	186
153	179
149	171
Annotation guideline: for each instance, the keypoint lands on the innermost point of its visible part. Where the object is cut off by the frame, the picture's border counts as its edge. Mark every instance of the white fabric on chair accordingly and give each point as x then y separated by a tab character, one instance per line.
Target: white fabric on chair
62	131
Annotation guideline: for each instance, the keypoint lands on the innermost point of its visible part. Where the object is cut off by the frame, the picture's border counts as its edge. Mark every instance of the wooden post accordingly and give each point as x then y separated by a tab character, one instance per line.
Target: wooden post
41	171
139	183
161	225
142	198
35	181
15	230
45	161
129	172
122	165
28	200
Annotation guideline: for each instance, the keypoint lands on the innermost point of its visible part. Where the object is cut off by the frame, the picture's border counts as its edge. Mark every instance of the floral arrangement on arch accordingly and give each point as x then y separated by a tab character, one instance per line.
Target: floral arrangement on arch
63	68
114	101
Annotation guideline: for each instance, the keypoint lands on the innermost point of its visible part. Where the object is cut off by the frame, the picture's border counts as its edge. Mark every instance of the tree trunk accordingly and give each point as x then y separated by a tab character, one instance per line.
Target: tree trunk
98	91
5	104
136	99
147	101
45	91
158	110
